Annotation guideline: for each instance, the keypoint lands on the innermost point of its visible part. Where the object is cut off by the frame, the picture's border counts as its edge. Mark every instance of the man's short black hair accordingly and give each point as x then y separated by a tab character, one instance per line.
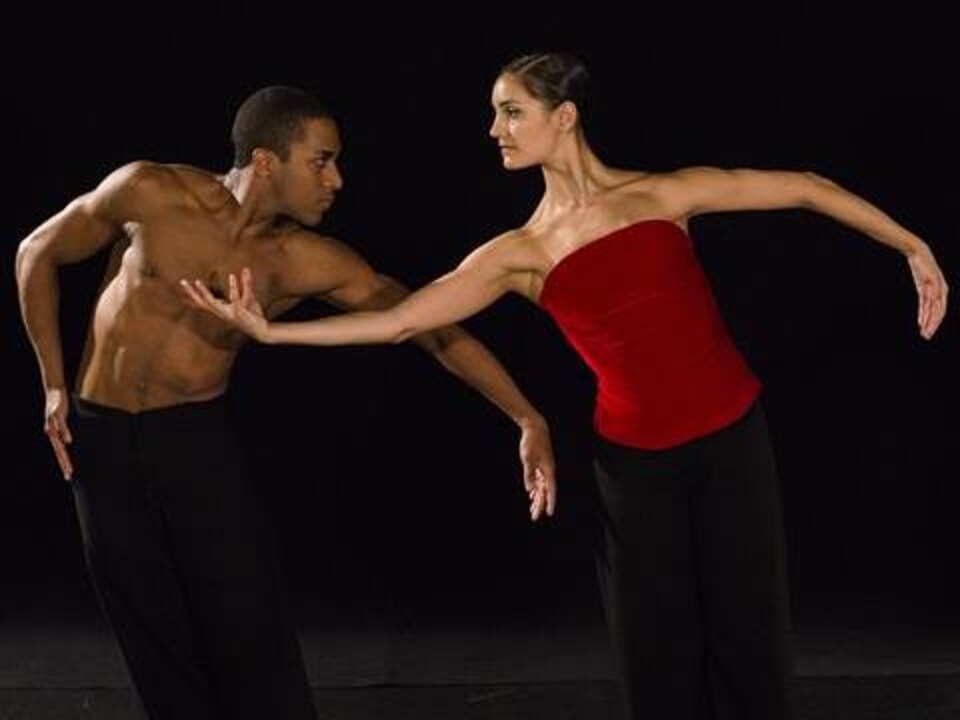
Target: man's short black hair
273	118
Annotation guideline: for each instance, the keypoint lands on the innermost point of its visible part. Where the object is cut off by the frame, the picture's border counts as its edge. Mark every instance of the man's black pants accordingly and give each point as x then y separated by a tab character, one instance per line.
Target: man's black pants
185	564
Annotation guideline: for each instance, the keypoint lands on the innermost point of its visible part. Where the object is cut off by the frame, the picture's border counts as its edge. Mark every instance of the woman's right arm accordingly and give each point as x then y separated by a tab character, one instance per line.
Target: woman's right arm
483	277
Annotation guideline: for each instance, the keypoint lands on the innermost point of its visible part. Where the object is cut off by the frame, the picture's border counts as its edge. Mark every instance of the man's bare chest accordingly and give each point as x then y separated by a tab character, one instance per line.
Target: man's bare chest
192	245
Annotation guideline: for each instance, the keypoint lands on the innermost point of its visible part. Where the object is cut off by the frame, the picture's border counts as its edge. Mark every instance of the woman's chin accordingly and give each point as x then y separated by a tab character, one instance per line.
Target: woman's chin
513	163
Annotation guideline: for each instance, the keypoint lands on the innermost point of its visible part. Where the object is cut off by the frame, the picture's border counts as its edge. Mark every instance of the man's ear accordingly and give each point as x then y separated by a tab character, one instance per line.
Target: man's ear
263	162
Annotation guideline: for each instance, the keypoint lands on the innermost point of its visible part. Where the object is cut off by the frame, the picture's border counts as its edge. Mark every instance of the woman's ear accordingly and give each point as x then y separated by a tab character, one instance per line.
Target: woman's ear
568	115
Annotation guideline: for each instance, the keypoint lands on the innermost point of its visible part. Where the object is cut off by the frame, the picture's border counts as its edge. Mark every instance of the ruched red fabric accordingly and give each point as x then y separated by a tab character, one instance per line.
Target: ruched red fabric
638	307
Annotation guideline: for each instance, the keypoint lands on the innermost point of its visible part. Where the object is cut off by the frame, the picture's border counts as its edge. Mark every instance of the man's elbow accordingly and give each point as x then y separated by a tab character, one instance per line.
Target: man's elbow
29	253
436	341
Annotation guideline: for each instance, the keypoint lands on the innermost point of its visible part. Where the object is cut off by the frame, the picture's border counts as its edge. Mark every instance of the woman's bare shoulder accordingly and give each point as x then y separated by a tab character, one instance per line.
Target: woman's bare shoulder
513	250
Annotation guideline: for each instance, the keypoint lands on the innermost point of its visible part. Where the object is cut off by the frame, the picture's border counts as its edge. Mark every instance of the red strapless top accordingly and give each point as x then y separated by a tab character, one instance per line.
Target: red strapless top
637	306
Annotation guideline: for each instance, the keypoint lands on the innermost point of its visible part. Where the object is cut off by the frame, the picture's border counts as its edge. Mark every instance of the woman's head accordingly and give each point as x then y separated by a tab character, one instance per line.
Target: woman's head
538	101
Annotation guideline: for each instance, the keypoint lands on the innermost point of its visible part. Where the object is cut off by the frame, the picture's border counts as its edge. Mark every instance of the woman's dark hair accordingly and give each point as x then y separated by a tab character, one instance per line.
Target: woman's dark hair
273	118
554	78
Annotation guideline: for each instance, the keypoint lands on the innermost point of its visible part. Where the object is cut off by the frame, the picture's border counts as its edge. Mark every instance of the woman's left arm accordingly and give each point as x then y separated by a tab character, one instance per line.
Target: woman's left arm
699	190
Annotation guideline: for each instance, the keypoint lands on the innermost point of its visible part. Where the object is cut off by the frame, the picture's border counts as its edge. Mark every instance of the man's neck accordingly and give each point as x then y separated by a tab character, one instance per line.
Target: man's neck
254	217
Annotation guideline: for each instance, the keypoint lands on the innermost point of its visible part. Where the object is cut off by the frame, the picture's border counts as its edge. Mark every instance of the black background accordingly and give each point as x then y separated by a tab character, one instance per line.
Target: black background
393	484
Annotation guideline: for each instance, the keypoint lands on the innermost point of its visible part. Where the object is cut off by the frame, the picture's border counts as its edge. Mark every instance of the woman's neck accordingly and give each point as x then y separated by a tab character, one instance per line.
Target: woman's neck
573	177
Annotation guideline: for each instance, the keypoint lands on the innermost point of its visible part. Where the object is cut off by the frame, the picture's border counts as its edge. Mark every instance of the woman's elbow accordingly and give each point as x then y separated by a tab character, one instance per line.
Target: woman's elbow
400	323
814	188
401	333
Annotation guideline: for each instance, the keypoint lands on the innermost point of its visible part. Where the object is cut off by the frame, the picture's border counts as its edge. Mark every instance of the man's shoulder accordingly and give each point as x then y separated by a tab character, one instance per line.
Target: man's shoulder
314	263
306	243
169	184
146	173
195	185
190	175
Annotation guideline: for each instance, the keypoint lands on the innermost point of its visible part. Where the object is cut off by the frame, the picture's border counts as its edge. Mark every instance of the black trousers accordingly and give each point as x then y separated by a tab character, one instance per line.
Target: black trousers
692	572
184	563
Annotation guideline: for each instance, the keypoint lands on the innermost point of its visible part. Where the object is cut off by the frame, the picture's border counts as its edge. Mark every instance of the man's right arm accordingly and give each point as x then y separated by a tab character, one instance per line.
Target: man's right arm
85	226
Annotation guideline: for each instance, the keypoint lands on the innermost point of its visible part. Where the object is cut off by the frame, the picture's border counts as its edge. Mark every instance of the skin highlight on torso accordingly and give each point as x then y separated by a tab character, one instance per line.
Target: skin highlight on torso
146	347
551	235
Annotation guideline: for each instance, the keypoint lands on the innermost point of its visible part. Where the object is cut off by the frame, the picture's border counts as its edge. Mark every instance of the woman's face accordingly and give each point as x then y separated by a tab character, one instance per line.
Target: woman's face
526	130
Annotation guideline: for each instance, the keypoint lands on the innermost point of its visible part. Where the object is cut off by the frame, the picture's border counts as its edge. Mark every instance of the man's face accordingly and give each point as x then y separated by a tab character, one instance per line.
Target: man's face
306	183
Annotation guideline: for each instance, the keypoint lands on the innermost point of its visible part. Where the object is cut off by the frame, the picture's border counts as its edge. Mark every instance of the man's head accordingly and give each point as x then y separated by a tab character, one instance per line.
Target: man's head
291	142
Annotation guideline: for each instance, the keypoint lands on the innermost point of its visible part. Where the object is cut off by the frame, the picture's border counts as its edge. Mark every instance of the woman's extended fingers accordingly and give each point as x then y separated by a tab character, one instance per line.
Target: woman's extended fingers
246	286
192	295
938	304
536	505
550	489
543	495
933	304
210	301
932	292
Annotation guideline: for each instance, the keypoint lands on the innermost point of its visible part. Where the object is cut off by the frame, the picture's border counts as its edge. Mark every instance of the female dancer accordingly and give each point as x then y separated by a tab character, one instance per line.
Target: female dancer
691	566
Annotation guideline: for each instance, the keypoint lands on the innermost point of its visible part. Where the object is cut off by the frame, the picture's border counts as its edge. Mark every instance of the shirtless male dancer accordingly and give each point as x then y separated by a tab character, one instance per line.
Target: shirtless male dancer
180	552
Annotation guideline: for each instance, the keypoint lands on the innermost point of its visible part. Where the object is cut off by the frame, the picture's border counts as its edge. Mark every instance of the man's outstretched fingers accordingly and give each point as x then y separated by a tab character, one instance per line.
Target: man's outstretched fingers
60	449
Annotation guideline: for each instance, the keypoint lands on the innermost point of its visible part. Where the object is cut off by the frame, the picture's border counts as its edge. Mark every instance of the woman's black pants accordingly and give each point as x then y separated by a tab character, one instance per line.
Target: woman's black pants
692	572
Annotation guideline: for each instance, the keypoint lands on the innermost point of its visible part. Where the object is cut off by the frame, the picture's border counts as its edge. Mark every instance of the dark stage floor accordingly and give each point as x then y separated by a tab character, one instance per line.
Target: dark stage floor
853	661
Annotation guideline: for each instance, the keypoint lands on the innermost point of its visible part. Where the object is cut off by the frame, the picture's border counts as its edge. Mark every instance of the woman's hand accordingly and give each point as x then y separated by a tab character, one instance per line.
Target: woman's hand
931	289
243	311
539	477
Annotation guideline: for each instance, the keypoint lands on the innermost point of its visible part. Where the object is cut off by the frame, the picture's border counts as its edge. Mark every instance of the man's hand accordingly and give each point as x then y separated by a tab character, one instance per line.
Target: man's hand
539	479
243	311
55	426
